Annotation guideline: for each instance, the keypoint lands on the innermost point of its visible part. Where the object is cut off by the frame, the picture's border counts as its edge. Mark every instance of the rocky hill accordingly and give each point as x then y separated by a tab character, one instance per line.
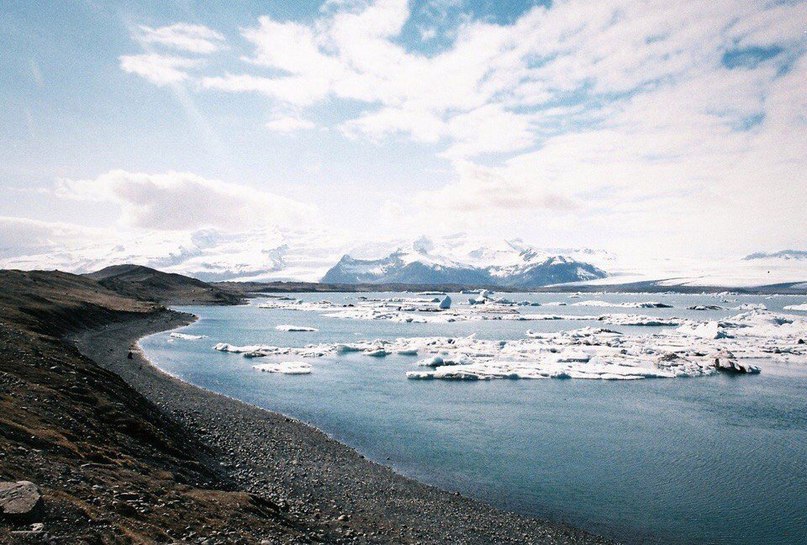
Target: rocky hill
105	464
149	284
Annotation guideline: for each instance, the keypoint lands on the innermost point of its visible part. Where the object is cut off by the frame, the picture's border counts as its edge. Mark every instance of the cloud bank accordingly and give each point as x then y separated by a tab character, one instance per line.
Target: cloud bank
174	201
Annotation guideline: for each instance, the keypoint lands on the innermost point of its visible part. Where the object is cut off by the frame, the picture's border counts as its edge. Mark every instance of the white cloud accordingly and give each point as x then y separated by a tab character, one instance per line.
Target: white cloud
289	123
293	90
421	126
621	117
23	236
488	129
182	36
262	252
159	69
351	54
183	201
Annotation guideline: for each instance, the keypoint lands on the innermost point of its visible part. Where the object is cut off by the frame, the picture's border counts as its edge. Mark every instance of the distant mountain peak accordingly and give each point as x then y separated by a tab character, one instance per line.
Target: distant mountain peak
781	254
423	245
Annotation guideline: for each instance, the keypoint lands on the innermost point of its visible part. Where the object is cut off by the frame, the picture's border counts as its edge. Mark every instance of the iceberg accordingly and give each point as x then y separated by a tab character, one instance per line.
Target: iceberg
599	303
285	368
687	348
706	330
226	347
725	361
438	361
751	306
632	319
296	328
186	336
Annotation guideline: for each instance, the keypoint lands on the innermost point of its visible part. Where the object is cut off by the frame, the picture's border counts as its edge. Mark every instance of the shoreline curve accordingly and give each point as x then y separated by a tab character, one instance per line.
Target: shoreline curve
298	466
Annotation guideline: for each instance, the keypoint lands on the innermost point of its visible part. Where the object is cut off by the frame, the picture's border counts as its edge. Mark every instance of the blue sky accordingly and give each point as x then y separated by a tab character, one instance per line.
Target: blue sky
633	127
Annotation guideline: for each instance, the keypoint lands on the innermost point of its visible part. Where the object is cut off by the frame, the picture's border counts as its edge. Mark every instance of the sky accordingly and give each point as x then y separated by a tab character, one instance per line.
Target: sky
153	129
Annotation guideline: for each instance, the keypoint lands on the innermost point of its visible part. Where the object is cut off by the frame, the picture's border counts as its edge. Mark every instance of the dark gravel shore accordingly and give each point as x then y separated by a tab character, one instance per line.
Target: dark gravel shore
330	491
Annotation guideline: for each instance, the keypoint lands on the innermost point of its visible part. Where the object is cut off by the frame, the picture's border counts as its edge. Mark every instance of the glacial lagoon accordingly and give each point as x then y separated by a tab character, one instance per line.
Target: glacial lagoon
703	456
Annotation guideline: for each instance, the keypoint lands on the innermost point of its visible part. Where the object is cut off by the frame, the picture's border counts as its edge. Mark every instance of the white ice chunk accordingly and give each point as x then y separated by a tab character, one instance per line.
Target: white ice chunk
296	328
599	303
705	330
226	347
186	336
285	368
751	306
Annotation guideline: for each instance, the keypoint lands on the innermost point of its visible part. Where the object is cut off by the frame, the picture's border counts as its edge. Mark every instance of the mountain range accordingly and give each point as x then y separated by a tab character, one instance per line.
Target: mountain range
309	255
510	265
782	254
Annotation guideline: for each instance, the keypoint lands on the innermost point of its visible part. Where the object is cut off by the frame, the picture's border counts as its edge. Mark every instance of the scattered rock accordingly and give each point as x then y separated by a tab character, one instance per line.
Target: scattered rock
21	501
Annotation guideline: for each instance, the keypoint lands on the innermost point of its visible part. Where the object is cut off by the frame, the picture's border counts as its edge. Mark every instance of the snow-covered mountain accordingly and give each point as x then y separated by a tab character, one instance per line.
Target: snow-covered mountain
782	254
306	254
397	268
457	261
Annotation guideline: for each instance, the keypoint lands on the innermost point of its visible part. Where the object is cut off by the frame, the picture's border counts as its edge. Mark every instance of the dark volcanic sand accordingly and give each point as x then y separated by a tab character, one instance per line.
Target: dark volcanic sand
325	487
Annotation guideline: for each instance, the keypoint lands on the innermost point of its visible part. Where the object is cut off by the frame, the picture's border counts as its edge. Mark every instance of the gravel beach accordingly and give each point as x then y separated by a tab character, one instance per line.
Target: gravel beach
327	487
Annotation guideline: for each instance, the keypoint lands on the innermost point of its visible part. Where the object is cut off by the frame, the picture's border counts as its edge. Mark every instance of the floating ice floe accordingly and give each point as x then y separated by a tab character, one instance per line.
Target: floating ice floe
751	306
265	350
705	330
691	349
800	308
634	320
369	313
186	336
725	361
481	299
298	304
592	353
285	368
438	361
482	307
600	303
296	328
227	347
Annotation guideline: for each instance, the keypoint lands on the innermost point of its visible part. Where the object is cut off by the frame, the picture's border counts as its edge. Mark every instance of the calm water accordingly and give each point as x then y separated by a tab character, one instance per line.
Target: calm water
716	460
